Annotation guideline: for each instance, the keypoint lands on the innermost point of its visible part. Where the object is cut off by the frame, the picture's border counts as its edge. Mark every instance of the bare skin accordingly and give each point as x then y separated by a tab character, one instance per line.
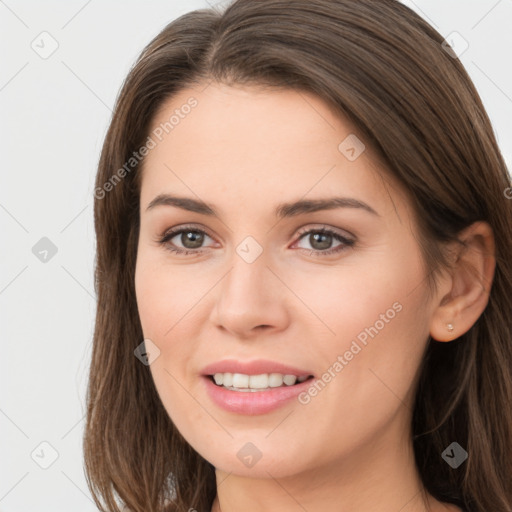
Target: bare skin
349	448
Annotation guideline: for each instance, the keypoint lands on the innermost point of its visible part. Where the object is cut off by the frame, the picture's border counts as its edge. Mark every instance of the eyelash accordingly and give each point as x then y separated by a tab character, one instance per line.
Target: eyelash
347	243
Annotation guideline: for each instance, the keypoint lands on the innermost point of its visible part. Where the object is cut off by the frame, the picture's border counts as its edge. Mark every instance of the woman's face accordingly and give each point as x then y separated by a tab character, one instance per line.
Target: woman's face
258	281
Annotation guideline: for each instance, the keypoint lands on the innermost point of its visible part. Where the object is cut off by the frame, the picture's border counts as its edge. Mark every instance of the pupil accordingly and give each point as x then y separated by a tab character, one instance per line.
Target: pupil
323	245
194	237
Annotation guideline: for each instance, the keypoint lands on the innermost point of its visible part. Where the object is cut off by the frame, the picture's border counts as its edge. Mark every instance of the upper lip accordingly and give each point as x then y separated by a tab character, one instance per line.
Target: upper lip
255	367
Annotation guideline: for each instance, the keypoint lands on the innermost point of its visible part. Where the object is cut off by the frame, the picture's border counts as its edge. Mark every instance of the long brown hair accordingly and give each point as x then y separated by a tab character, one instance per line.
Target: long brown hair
385	69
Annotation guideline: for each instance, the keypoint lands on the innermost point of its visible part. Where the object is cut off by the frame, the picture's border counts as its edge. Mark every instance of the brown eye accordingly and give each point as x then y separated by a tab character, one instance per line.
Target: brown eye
191	239
184	240
321	240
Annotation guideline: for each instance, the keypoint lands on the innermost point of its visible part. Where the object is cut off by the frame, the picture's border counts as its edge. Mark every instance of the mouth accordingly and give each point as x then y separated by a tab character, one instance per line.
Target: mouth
256	383
262	393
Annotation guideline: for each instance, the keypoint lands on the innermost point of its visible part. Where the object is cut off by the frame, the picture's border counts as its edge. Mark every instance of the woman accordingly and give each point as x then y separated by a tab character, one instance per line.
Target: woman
303	271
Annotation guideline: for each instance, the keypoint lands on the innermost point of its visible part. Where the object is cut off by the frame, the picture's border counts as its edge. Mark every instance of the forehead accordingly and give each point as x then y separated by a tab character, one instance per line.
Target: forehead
249	115
259	141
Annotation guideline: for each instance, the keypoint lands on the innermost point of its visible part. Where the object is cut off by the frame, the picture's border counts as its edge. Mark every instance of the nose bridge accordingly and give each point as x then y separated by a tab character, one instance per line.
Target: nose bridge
247	283
250	295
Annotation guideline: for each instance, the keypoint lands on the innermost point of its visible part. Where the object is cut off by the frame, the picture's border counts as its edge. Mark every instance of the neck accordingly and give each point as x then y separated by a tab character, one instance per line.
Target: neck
380	475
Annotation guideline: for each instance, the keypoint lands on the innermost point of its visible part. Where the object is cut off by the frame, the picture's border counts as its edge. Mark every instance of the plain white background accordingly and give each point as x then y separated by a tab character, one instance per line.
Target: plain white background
55	110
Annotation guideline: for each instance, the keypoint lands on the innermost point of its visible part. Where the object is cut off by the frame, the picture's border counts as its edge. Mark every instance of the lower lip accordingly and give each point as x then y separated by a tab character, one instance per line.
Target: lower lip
253	402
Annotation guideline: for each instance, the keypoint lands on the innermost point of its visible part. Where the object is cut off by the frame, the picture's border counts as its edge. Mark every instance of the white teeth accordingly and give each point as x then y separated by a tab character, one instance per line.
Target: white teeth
275	380
258	381
242	382
289	380
227	380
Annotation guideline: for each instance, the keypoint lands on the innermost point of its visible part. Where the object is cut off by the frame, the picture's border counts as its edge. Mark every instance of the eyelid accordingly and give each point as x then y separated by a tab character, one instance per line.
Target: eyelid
324	227
185	227
348	241
302	230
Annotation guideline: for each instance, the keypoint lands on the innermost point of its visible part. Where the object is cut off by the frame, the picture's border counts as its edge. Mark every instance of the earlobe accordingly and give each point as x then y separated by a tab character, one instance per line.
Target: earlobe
469	284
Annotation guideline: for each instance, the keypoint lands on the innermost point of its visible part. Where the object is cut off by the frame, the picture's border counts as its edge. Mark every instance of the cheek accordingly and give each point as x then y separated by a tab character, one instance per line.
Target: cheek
376	314
383	330
163	295
161	304
168	302
150	298
369	295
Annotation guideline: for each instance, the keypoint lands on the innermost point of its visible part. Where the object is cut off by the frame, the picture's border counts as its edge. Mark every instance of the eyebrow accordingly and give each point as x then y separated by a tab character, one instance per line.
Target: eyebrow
282	210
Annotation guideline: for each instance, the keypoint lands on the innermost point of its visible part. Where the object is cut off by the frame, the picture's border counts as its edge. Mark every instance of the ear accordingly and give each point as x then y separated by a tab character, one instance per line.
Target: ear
464	294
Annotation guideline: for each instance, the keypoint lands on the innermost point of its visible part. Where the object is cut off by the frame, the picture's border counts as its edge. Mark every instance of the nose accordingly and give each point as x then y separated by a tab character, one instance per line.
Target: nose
250	299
